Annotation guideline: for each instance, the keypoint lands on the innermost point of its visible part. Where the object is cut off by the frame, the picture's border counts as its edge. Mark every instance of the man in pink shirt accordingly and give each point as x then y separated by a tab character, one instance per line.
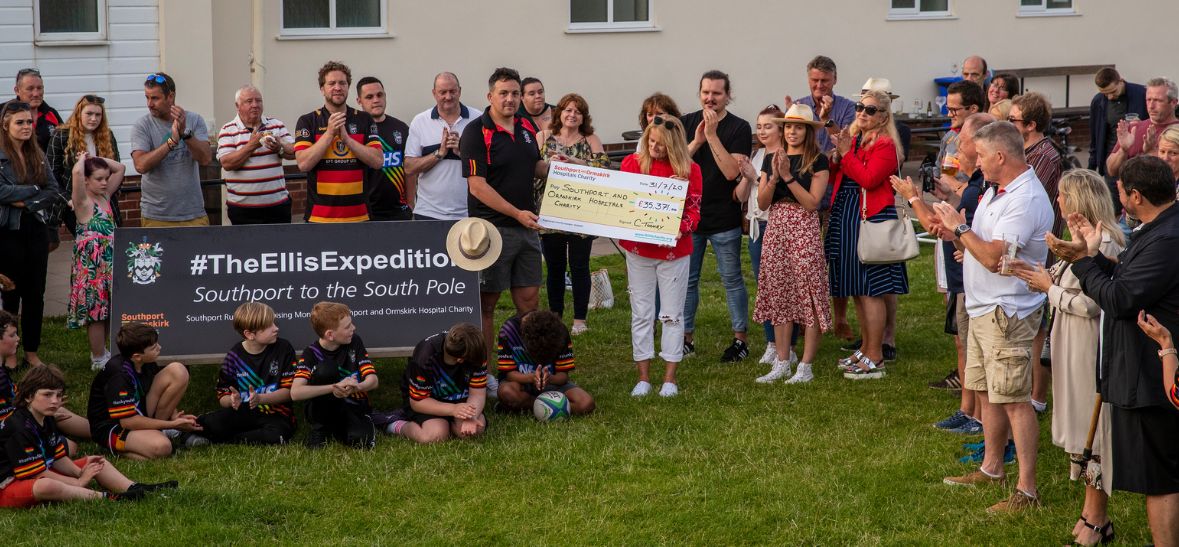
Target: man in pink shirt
1142	137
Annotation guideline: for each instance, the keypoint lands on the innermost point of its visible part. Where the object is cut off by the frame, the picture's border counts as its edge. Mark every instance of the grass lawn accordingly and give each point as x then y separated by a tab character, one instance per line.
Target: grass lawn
729	461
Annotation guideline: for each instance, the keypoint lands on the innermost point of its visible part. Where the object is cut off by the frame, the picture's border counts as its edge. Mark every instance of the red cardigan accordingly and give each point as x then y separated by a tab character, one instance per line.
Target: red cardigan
871	168
688	222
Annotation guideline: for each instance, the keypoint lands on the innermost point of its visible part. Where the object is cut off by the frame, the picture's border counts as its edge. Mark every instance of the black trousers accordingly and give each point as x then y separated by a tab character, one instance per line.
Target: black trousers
276	214
572	251
24	258
245	426
347	422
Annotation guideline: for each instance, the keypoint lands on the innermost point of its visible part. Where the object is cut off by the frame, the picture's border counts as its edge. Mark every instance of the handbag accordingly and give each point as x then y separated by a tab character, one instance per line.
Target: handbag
601	292
47	206
885	242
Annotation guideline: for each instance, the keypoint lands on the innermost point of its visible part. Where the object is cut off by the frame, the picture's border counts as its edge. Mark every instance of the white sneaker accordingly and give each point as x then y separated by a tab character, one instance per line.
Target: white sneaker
781	369
792	358
642	389
492	387
669	390
97	363
802	375
768	356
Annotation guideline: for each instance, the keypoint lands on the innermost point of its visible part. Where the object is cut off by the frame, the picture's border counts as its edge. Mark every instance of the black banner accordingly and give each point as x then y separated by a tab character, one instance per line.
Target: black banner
186	282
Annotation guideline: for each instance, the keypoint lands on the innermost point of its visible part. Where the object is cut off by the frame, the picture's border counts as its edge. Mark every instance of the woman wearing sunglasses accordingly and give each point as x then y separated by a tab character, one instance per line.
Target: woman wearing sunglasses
663	152
24	240
86	131
866	155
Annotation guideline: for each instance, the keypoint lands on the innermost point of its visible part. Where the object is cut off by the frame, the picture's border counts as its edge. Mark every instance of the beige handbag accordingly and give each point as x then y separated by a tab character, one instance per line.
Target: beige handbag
887	241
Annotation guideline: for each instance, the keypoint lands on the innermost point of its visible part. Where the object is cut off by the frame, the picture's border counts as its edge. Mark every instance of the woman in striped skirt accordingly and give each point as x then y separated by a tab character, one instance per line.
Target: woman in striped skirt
866	155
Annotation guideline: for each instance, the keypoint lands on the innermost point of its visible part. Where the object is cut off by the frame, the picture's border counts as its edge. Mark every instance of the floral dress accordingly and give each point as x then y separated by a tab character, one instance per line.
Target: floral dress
90	279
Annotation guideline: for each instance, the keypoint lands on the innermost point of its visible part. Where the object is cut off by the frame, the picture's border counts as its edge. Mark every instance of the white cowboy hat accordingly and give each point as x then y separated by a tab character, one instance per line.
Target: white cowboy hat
878	84
473	244
799	113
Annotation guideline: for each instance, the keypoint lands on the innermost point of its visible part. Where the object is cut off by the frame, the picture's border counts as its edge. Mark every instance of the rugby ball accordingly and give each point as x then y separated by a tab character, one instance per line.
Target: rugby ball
550	406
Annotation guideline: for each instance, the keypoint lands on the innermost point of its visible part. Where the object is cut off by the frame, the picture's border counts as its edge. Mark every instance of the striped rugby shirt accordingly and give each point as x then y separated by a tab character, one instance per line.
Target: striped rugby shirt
513	356
266	372
26	449
335	187
260	182
321	367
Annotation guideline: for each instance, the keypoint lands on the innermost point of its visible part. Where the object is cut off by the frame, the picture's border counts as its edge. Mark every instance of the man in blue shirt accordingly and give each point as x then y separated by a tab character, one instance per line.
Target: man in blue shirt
834	111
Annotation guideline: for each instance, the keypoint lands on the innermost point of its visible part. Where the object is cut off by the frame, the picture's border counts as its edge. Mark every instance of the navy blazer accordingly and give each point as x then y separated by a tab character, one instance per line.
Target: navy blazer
1098	108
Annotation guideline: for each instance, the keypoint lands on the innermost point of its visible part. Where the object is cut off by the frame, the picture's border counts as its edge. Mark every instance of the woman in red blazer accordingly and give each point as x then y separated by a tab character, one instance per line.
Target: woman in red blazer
866	155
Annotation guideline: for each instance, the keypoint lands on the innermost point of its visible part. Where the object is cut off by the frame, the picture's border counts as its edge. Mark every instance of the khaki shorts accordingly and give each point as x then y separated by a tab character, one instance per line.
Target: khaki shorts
152	223
999	356
961	317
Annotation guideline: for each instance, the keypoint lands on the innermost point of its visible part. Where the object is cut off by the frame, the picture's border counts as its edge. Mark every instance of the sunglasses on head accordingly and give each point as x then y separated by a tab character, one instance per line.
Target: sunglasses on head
160	80
27	71
871	110
93	99
14	106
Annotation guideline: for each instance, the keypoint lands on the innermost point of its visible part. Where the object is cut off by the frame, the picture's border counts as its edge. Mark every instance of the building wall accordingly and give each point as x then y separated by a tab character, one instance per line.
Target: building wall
763	45
115	71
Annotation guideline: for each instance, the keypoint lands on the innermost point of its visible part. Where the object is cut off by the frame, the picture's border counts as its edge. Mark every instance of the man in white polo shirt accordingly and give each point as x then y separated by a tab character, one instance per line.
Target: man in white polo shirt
1010	223
251	149
431	152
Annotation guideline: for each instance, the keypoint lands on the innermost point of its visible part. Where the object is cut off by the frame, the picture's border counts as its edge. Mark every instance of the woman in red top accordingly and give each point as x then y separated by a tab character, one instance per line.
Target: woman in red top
663	152
865	157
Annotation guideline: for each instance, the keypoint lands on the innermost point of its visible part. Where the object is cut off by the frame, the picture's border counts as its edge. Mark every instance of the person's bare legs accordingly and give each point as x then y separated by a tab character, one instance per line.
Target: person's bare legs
842	327
966	402
669	373
431	431
50	489
487	302
97	334
1094	511
525	299
871	312
1163	514
73	425
995	432
890	320
1041	375
1026	430
146	444
167	389
784	332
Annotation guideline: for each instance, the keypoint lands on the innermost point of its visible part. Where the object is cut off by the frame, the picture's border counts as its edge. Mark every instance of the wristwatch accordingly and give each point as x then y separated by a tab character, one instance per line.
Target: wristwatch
961	229
438	154
186	135
829	123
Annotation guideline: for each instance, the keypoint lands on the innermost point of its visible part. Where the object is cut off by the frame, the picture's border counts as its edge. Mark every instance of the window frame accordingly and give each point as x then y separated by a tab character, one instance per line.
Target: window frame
610	25
1044	11
915	13
40	37
332	30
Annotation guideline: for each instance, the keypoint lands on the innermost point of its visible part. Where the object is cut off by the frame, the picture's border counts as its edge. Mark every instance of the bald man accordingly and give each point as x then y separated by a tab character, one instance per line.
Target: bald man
431	153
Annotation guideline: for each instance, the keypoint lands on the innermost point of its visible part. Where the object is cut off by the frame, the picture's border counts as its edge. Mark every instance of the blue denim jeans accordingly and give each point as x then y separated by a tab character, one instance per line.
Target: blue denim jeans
727	248
755	261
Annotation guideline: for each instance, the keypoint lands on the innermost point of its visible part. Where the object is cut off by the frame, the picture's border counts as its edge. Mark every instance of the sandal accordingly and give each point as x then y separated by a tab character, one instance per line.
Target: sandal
867	369
1106	532
850	362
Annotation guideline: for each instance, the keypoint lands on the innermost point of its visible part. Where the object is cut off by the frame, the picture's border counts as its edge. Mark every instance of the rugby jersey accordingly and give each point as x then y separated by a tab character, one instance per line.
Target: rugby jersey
260	182
266	372
7	393
428	376
28	449
513	356
321	367
386	186
335	187
118	391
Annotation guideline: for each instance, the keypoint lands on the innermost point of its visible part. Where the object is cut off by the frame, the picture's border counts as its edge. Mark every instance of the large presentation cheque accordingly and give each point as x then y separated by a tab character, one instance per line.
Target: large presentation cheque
601	202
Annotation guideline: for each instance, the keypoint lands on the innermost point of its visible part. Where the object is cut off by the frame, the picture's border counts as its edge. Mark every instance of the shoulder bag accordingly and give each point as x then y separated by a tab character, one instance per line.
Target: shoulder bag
888	241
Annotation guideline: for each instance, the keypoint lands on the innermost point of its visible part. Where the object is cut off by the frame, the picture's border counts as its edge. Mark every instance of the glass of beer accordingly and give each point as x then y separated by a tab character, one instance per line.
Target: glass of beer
1010	247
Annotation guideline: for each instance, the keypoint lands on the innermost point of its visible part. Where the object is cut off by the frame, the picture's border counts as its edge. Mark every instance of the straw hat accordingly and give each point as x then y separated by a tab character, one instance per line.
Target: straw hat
878	84
799	113
473	244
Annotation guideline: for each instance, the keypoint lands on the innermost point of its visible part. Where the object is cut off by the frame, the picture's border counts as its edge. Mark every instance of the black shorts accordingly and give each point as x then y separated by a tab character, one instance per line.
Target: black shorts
110	436
1145	449
275	214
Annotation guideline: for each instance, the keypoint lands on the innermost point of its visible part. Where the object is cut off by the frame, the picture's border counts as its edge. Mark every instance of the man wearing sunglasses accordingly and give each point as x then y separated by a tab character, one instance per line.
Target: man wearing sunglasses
30	88
168	146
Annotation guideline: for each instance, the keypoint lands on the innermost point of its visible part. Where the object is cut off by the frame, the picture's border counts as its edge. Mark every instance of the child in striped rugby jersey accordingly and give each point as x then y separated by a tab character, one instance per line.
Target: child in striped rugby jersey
254	387
34	467
535	356
444	387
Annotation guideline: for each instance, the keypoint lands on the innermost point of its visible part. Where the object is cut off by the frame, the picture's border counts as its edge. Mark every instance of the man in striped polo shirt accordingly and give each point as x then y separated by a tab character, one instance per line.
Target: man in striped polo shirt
251	149
333	144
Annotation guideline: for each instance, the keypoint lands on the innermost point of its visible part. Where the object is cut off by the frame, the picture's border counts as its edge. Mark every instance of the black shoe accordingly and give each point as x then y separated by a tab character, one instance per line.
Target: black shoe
890	352
316	439
129	495
736	351
153	486
689	349
852	346
950	382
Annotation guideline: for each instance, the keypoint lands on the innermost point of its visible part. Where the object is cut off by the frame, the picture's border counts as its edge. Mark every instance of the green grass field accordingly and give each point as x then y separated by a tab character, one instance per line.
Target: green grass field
833	462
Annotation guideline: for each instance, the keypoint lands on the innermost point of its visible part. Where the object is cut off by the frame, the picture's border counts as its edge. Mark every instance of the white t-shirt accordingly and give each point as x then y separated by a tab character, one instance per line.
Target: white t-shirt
1023	210
442	191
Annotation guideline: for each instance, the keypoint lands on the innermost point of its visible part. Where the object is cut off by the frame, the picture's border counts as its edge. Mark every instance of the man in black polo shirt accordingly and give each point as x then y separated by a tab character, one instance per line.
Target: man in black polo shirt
719	135
388	188
500	160
333	144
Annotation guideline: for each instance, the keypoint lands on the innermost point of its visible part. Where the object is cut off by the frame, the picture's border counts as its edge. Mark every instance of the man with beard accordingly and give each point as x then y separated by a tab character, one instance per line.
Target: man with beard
389	187
333	144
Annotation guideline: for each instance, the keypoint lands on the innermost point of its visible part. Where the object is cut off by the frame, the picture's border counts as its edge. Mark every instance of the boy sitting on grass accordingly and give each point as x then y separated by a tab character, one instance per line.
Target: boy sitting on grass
535	356
69	423
444	387
34	467
254	387
334	376
132	407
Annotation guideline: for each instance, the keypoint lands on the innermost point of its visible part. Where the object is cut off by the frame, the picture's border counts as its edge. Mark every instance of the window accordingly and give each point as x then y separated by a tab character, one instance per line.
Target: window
70	20
919	9
618	15
1046	7
333	17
